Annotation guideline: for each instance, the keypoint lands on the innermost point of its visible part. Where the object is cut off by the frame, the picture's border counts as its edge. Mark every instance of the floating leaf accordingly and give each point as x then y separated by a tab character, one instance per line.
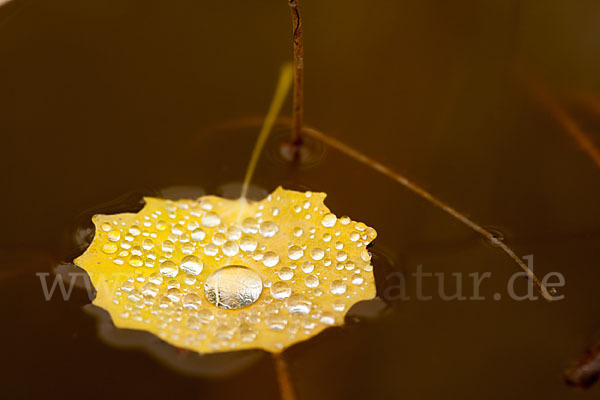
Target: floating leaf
216	275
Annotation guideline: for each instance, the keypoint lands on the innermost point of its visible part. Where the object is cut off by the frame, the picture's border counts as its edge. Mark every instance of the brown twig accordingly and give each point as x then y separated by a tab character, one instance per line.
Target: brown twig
298	100
588	100
545	97
283	377
413	187
586	370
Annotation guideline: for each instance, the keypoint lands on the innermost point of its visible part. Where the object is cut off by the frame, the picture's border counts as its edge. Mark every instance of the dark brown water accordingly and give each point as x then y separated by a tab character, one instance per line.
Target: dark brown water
104	101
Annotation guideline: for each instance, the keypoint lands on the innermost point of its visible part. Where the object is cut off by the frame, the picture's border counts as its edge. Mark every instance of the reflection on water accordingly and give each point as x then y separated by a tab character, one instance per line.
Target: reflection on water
234	189
220	365
424	87
181	192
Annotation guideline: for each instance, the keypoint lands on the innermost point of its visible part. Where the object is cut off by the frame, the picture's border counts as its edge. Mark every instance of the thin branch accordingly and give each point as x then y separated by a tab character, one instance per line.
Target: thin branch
283	377
588	100
586	370
349	151
562	117
298	100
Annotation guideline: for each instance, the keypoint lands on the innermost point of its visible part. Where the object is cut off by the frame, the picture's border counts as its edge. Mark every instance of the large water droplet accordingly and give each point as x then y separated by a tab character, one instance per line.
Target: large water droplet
339	306
155	278
189	279
280	290
246	333
136	261
205	316
174	295
277	323
219	239
230	248
341	256
365	255
110	248
307	267
135	296
169	269
317	254
150	289
198	235
173	283
211	219
268	228
248	243
357	279
114	235
270	259
337	287
234	233
233	287
327	318
211	249
191	265
127	286
329	220
297	304
285	273
168	246
311	281
191	301
250	225
295	252
193	323
188	248
161	225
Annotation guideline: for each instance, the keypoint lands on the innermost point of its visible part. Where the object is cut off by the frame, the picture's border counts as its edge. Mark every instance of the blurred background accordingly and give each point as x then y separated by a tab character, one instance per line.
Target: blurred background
484	103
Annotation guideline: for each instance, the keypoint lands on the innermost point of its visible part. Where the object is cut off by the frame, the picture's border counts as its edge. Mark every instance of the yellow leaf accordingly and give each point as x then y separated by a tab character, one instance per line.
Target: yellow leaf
217	275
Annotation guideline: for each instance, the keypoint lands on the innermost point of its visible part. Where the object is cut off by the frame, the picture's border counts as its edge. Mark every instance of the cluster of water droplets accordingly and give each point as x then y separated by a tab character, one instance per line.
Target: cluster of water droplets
220	273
